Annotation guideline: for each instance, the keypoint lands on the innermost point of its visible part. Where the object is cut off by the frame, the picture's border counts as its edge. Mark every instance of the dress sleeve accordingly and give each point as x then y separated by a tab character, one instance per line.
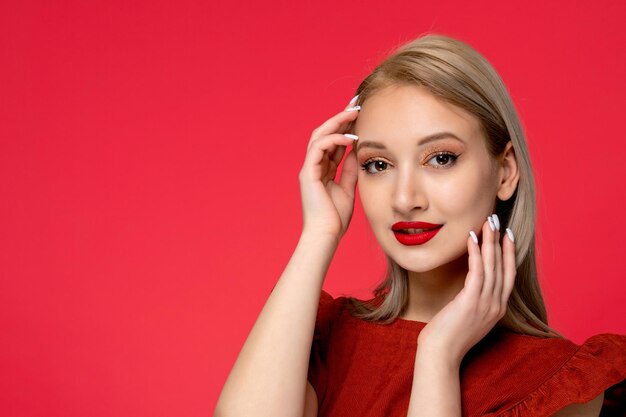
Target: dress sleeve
317	374
598	365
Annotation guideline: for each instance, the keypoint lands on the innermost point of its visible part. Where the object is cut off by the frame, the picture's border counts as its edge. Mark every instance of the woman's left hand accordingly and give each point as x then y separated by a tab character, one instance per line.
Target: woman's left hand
479	305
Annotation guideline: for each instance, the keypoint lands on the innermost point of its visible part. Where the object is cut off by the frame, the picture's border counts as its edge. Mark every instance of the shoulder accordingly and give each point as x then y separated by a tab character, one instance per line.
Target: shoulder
602	351
328	313
329	307
534	376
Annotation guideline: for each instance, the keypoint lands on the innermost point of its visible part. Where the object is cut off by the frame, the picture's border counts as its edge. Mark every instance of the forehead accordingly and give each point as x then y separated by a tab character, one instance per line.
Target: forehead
403	112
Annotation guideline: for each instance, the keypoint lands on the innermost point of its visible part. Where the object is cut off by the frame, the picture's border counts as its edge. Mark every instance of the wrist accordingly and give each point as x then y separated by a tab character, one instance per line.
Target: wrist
320	238
437	358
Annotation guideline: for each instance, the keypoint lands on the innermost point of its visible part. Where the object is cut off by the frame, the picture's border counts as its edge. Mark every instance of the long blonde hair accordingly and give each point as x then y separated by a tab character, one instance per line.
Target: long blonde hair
456	73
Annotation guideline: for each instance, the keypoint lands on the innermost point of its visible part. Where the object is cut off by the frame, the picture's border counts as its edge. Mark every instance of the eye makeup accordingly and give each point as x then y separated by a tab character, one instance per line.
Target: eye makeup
452	151
452	148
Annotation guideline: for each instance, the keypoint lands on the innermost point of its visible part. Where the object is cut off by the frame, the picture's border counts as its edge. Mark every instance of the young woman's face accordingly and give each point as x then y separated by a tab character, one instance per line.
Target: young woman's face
406	177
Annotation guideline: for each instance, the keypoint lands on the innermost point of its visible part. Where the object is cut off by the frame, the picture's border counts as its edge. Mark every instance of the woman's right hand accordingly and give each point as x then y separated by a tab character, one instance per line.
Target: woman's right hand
327	206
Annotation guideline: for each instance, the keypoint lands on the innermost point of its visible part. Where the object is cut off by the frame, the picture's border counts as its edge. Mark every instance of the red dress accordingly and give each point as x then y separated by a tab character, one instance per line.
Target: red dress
360	368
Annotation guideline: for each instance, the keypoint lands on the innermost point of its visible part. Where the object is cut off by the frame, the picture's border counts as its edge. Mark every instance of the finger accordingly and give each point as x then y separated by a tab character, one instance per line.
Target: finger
475	274
488	255
497	291
343	127
337	155
336	124
319	149
510	268
352	102
329	145
349	173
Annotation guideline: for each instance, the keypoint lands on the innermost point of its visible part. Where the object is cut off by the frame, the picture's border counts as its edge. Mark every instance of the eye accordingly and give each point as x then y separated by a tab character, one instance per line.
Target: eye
443	159
376	163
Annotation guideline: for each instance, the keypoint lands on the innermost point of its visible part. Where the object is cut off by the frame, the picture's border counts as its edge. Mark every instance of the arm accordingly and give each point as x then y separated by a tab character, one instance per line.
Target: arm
436	384
270	375
436	387
448	336
436	392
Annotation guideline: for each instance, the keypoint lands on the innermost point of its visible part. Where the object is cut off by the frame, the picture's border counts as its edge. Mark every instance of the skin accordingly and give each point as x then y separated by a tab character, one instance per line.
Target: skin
409	183
460	288
458	189
269	375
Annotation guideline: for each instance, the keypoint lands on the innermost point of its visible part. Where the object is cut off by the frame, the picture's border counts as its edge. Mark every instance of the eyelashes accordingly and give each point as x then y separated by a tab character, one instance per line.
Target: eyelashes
448	157
366	165
441	160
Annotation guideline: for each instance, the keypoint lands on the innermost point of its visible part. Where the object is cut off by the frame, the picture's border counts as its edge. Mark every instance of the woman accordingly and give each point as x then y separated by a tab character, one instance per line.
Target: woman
458	327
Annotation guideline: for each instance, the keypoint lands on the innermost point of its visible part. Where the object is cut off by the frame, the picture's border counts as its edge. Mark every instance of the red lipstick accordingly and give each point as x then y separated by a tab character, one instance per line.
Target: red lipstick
409	237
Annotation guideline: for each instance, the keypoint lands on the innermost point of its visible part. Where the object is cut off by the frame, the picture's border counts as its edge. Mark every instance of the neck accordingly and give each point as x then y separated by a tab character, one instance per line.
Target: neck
430	291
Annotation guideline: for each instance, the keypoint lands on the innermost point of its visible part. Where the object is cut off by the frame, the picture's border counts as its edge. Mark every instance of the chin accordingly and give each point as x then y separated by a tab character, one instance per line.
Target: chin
413	262
426	261
416	266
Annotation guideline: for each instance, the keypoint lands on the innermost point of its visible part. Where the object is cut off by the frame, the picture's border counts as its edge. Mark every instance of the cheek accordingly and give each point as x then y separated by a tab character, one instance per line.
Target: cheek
372	199
463	195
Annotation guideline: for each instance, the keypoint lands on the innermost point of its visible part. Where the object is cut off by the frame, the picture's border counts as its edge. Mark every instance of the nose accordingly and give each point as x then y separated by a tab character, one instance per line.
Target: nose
409	193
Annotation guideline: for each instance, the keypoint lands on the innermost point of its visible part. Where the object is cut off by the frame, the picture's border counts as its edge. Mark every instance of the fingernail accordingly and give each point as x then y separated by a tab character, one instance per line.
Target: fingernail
355	108
509	233
491	224
351	136
496	220
473	235
354	99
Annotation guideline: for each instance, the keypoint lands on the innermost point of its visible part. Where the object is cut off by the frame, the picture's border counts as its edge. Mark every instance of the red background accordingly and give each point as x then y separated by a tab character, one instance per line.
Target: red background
149	154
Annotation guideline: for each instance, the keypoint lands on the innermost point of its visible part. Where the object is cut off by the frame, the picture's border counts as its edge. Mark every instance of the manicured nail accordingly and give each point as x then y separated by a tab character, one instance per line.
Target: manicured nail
509	233
473	235
351	136
491	224
354	99
355	108
496	220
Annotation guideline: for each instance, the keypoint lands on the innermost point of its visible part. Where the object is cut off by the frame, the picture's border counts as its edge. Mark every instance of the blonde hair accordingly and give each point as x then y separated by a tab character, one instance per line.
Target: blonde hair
456	73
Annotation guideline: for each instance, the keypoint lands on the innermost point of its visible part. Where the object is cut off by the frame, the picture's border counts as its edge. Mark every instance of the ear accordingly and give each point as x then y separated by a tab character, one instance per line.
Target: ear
508	172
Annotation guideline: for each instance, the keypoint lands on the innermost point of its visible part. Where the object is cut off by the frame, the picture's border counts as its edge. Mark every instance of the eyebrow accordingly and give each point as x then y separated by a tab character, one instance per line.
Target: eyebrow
430	138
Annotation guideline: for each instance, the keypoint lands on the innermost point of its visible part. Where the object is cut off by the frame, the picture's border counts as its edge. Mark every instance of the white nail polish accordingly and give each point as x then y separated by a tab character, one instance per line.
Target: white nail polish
509	233
496	221
473	235
351	136
354	99
355	108
491	224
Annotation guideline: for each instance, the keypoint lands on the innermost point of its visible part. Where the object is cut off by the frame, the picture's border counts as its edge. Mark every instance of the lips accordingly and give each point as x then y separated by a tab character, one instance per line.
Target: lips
415	233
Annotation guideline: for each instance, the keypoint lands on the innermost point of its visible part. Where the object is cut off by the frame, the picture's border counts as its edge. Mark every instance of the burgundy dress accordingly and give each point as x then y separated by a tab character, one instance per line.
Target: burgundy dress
359	368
